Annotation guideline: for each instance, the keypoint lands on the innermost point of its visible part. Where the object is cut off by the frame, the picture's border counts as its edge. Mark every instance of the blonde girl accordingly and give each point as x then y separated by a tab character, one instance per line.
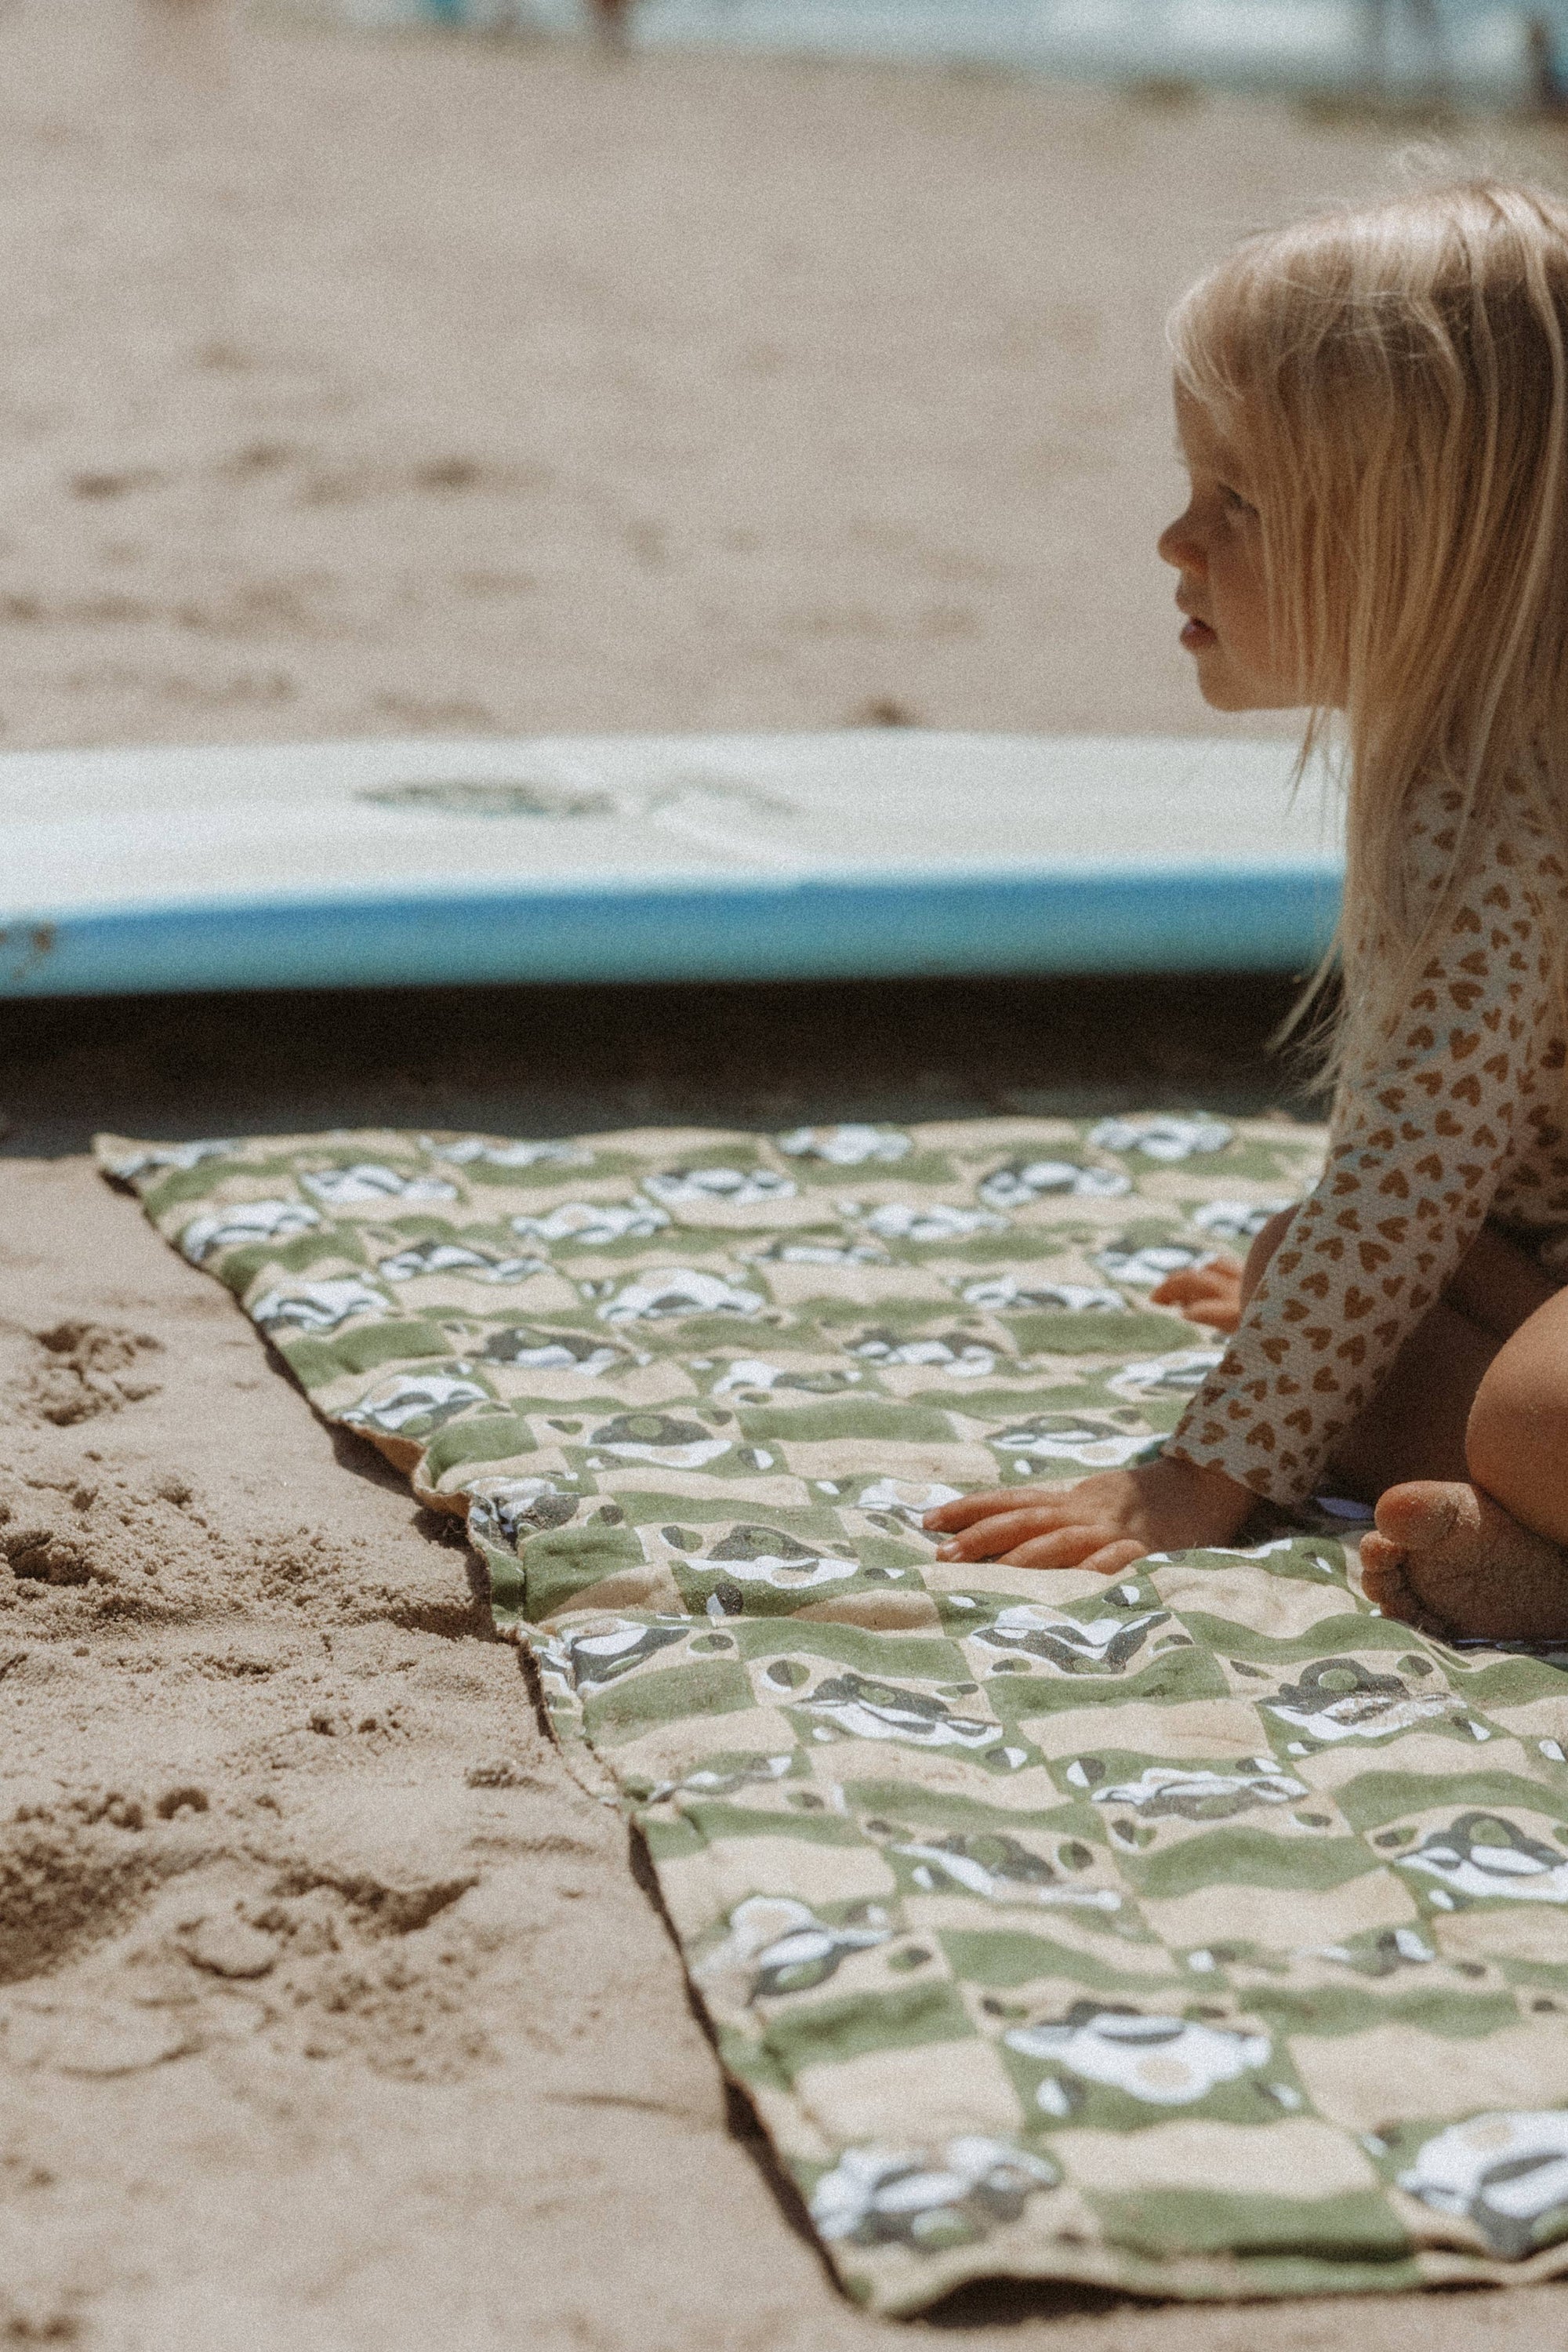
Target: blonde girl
1372	409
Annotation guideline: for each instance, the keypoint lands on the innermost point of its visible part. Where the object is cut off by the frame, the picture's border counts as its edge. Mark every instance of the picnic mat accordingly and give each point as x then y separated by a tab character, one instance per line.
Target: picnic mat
1202	1933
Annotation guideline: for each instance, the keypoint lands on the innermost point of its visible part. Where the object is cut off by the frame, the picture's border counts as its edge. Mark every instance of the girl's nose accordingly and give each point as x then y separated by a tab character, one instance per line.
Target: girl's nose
1180	546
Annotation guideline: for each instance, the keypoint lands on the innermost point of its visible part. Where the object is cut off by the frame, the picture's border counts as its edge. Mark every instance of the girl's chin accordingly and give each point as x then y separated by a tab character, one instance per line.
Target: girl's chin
1220	691
1224	688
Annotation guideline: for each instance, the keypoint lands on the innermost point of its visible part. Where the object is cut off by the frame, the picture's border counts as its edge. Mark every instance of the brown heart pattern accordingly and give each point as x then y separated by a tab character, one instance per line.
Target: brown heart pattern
1435	1120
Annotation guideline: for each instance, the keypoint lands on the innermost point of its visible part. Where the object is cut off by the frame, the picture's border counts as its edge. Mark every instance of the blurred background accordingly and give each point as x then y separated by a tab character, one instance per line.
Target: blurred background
403	366
1408	49
456	367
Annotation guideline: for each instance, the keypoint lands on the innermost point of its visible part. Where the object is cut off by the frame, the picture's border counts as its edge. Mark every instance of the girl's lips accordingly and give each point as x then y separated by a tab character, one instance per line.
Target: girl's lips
1196	636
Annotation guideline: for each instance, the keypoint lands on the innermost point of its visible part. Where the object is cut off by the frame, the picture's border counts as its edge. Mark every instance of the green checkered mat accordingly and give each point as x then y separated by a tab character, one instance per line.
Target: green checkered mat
1204	1933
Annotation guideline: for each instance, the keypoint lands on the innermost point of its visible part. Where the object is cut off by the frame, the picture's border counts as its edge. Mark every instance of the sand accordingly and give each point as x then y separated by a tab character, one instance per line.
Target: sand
353	389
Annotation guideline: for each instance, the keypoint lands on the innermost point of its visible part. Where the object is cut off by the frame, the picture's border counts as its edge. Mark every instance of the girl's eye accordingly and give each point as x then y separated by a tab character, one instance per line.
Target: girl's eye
1235	501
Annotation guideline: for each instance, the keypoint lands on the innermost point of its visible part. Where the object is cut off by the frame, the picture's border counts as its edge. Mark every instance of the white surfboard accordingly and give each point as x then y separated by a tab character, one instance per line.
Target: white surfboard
866	854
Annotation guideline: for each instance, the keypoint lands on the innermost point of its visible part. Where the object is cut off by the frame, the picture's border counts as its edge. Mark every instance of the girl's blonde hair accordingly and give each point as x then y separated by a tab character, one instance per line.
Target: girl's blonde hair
1394	382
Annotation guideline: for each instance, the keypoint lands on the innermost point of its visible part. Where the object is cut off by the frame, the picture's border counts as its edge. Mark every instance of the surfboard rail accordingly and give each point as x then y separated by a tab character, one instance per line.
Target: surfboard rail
865	854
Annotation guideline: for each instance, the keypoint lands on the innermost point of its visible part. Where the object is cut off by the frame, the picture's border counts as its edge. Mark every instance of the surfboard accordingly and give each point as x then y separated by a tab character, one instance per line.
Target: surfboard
871	853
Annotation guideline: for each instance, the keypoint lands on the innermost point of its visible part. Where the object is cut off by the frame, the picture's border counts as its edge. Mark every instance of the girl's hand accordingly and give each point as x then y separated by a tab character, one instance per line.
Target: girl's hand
1105	1522
1205	1294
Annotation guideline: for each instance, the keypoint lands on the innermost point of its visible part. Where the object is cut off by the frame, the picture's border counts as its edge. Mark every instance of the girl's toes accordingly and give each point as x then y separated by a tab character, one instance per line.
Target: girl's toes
1382	1571
1387	1584
1419	1514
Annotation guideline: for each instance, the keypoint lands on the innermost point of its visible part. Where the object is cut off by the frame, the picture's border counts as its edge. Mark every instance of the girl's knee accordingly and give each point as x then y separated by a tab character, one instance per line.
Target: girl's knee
1516	1439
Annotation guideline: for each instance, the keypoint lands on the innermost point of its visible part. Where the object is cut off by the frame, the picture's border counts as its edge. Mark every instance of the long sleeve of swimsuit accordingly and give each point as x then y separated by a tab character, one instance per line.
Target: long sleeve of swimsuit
1424	1134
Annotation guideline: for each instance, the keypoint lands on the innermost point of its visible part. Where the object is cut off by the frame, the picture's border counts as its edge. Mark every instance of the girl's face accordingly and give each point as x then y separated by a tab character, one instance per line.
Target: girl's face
1217	547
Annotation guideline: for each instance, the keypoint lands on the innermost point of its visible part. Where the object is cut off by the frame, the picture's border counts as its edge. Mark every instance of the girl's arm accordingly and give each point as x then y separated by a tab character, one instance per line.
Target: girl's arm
1421	1141
1423	1135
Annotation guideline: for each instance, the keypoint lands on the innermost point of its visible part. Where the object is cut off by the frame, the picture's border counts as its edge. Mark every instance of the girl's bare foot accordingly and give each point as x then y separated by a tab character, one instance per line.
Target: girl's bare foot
1448	1559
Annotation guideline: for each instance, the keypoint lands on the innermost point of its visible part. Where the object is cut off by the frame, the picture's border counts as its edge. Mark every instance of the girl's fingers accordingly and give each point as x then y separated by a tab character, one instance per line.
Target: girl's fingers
1113	1558
1188	1290
1215	1314
1216	1302
1216	1272
1191	1282
950	1516
1223	1266
1070	1547
989	1537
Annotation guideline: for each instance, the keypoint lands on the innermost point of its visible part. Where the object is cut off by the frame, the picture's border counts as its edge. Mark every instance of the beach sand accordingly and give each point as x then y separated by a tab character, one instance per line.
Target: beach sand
353	388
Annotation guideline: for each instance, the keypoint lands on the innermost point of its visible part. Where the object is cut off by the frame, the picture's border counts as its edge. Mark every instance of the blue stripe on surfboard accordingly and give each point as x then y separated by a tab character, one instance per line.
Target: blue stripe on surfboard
1277	917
